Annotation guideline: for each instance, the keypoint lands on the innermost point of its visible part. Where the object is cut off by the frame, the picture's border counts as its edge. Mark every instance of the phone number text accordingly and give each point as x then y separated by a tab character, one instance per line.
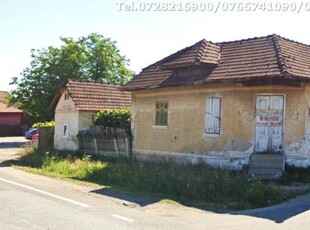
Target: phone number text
215	6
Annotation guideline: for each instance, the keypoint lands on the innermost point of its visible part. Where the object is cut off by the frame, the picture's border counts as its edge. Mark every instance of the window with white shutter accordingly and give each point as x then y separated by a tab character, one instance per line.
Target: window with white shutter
213	115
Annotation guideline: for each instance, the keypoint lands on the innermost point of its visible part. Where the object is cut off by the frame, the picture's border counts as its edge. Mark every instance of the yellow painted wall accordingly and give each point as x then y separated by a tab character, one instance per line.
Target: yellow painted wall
185	130
299	149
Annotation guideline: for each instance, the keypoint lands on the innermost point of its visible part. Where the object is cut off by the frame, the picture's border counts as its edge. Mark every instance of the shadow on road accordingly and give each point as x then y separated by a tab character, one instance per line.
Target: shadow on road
145	200
4	164
139	200
13	142
7	145
11	146
281	212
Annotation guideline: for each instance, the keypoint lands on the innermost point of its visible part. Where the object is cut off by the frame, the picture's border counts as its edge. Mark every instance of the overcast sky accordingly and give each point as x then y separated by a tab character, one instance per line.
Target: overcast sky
145	31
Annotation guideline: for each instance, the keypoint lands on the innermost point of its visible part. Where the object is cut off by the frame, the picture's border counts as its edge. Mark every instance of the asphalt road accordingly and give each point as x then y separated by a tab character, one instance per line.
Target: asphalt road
29	201
10	146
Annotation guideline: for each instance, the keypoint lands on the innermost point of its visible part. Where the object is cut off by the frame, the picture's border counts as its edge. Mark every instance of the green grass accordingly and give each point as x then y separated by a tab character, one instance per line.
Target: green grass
295	175
187	184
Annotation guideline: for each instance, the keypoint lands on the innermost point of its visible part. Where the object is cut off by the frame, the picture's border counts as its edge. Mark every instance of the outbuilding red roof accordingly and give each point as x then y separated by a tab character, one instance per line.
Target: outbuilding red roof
253	59
4	108
94	96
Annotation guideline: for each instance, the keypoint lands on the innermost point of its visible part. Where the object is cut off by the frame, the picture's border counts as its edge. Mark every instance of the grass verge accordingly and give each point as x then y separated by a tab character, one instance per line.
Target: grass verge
192	185
295	175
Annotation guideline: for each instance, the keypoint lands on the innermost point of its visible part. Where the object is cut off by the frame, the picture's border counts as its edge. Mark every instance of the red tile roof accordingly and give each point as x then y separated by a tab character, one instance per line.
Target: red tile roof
269	57
8	109
203	52
4	108
94	96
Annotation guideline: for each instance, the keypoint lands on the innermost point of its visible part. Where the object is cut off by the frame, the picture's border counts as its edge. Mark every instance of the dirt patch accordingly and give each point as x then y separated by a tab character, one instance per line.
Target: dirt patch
173	209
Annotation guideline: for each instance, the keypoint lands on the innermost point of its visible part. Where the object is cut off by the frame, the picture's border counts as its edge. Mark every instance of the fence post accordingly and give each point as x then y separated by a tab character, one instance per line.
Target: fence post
116	147
127	148
95	143
46	137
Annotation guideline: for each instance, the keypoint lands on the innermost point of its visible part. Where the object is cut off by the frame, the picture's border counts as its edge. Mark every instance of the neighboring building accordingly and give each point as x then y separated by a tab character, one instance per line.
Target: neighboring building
76	104
220	103
13	121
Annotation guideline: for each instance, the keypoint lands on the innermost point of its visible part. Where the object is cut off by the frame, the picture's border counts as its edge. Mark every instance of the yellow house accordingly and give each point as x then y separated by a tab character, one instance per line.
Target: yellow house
225	104
76	104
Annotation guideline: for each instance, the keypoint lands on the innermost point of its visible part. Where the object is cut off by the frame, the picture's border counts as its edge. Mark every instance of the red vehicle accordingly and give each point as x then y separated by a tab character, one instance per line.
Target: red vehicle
35	138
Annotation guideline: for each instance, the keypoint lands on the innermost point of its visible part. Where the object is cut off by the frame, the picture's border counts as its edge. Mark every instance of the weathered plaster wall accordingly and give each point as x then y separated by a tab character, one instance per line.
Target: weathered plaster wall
69	142
184	138
298	150
65	113
85	119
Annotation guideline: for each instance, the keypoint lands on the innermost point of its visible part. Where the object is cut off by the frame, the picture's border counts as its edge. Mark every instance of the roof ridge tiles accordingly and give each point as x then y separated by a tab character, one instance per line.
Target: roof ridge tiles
261	37
201	50
280	58
173	55
245	40
91	81
291	40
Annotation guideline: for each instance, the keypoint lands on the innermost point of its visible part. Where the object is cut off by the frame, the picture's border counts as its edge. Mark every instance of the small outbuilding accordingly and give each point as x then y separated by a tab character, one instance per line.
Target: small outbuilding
13	121
76	104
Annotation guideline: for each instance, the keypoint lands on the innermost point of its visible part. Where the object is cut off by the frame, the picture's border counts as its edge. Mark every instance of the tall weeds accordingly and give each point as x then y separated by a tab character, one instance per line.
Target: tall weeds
184	183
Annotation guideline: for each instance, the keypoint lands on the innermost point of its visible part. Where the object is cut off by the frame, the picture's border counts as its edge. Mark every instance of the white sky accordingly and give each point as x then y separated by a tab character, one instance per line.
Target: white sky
142	36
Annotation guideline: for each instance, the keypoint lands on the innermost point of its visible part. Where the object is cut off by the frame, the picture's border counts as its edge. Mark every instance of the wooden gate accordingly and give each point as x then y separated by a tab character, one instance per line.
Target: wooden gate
269	123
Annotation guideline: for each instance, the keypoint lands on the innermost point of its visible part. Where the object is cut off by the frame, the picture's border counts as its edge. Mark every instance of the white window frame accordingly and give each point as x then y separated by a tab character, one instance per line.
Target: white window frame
213	116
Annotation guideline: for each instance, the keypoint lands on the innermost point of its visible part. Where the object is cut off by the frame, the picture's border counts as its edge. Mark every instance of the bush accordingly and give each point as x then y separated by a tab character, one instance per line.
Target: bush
44	124
294	174
116	118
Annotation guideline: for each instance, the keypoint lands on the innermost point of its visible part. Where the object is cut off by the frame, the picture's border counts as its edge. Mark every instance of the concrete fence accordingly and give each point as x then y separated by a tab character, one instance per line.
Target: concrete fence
46	137
105	141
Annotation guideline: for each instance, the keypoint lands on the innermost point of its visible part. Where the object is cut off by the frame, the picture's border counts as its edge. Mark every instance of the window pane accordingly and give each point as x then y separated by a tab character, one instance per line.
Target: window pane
213	113
157	117
65	130
161	113
165	117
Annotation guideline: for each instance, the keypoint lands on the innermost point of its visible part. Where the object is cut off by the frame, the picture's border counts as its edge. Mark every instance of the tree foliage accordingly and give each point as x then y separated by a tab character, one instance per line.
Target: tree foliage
44	124
93	58
116	118
5	98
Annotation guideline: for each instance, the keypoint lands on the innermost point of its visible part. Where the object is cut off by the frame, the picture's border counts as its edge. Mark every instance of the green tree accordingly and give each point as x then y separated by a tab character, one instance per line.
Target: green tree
94	58
116	118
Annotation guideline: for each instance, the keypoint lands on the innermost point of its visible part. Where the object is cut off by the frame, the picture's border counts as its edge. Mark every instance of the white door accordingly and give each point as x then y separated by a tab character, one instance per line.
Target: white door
269	123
